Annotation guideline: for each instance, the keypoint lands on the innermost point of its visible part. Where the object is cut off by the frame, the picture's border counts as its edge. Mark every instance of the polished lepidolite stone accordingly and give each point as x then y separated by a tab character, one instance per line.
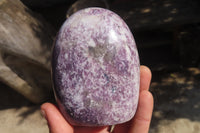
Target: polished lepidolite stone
95	69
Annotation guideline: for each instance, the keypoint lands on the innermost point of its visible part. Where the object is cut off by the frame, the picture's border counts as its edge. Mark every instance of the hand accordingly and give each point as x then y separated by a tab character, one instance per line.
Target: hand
139	124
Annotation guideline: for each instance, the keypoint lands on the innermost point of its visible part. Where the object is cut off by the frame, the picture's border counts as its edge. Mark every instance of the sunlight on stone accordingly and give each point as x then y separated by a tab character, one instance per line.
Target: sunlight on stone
174	11
167	5
168	19
158	114
196	106
190	87
194	71
181	100
146	10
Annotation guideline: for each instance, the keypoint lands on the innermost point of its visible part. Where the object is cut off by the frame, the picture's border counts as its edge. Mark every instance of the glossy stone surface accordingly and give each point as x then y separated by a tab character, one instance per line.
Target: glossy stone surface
95	69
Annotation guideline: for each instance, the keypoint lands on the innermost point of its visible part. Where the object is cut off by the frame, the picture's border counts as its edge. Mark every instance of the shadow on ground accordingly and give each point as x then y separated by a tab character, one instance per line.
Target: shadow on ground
176	94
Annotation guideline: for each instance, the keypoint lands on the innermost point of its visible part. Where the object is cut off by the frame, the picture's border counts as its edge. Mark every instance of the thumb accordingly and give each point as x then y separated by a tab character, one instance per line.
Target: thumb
56	122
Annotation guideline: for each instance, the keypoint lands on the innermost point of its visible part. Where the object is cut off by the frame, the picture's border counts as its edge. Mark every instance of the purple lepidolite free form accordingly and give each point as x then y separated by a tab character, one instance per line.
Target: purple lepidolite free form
96	69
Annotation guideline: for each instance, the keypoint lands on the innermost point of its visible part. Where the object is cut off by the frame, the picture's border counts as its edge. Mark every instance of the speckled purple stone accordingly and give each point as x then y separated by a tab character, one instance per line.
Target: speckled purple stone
96	69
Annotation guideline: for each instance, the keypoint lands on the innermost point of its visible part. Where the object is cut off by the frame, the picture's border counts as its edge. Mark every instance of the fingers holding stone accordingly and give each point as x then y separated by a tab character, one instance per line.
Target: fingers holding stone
56	122
145	78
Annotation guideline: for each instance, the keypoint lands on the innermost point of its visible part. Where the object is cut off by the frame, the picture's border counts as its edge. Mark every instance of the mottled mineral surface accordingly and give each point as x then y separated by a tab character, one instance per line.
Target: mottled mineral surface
95	68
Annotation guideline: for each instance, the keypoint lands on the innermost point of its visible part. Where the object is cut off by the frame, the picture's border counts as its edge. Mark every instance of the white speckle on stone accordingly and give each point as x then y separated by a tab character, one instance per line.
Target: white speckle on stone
66	56
91	43
90	20
113	37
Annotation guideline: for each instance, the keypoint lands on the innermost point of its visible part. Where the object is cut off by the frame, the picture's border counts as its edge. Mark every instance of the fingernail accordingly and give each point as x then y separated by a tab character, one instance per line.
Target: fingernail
43	113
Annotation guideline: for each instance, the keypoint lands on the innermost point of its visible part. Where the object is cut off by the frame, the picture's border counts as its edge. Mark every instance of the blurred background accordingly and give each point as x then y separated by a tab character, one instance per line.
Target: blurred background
167	34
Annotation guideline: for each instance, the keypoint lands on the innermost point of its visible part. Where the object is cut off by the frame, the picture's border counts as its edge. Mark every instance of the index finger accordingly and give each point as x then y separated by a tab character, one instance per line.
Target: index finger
145	76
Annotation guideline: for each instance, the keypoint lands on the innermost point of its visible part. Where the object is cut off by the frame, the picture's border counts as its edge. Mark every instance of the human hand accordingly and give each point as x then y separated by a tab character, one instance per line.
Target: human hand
139	124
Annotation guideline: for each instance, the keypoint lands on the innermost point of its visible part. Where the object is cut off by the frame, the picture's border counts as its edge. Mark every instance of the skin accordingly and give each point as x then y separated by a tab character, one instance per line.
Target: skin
139	124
